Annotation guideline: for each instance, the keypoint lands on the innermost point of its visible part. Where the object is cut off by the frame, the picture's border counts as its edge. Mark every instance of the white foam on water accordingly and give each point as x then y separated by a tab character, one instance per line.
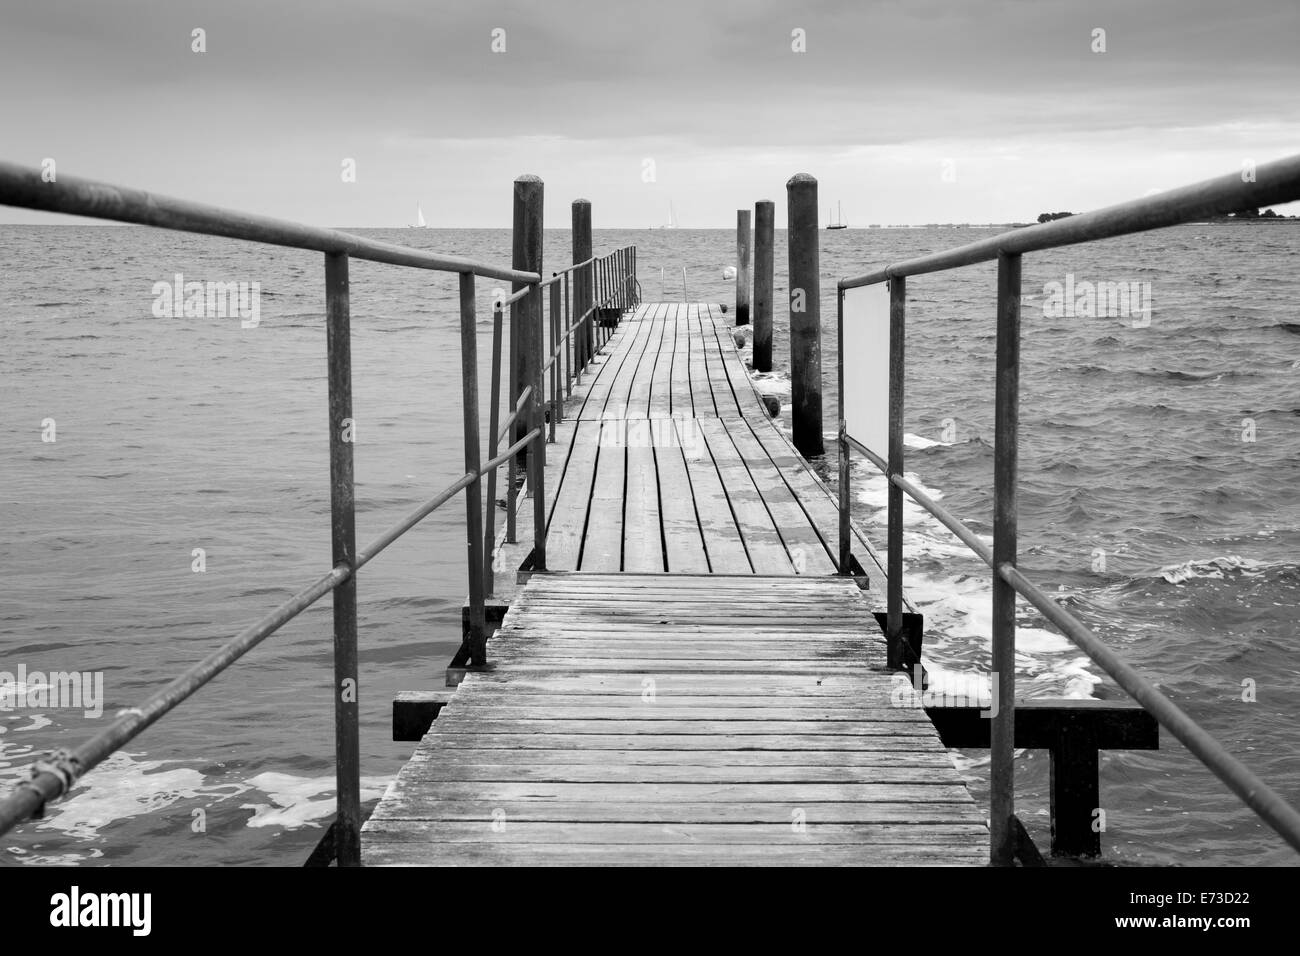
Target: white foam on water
958	603
121	787
301	801
1217	568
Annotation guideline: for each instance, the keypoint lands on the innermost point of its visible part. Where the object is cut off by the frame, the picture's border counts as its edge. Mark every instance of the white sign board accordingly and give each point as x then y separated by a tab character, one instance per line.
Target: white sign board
864	360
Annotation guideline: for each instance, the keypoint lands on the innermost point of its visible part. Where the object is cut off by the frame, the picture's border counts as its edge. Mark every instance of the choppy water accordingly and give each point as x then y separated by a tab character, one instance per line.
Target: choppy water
182	433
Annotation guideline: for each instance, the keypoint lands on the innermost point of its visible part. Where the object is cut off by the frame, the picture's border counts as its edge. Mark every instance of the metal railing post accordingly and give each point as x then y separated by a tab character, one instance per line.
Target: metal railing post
343	546
474	490
553	354
842	442
1002	806
894	559
570	341
494	426
537	453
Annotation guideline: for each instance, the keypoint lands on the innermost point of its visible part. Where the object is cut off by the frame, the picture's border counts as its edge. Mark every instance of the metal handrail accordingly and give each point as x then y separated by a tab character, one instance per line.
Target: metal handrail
52	778
1272	183
1269	184
94	199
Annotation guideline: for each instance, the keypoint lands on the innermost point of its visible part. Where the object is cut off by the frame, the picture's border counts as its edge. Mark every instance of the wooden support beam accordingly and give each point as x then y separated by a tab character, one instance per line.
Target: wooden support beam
415	710
1073	731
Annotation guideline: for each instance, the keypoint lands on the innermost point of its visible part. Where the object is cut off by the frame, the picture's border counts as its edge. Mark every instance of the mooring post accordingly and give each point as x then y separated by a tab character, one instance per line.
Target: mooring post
343	540
1006	417
805	316
528	258
764	270
742	267
584	338
526	317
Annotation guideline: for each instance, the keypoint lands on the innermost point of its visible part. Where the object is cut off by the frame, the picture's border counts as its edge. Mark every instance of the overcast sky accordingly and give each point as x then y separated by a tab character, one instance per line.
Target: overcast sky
1006	97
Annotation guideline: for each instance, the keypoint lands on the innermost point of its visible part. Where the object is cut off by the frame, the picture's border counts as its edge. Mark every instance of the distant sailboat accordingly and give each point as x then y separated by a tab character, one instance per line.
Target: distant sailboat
672	218
419	218
839	222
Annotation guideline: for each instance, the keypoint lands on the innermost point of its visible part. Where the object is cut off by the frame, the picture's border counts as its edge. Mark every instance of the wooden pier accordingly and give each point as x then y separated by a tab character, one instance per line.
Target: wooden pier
691	681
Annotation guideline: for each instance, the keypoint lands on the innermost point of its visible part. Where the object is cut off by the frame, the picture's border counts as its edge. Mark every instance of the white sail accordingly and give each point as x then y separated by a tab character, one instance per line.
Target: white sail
419	216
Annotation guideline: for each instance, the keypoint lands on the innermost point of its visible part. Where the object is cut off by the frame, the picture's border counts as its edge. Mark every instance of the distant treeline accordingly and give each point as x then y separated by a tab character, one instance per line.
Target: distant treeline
1254	214
1240	214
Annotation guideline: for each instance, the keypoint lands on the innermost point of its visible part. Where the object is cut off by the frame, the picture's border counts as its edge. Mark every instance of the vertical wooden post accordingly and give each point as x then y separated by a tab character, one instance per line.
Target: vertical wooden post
1075	791
474	491
584	340
764	269
805	316
527	314
343	546
896	639
1002	805
742	267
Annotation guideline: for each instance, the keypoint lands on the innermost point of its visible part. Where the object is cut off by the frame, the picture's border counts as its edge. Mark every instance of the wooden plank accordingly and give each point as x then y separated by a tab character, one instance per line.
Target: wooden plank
679	719
643	537
568	515
680	404
702	403
621	349
636	365
602	546
559	811
787	743
722	539
762	540
391	853
762	834
808	552
638	402
743	392
660	402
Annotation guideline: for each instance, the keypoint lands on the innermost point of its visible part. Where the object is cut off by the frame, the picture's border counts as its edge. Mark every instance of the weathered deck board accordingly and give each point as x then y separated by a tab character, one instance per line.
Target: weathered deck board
762	733
690	682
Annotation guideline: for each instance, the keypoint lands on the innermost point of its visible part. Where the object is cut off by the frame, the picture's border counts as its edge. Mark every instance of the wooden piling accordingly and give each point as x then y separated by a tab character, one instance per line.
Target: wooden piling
764	270
584	339
805	316
526	317
742	267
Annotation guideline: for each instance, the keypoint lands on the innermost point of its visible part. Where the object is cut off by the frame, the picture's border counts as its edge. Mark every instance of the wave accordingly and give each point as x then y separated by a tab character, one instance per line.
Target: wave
1214	568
